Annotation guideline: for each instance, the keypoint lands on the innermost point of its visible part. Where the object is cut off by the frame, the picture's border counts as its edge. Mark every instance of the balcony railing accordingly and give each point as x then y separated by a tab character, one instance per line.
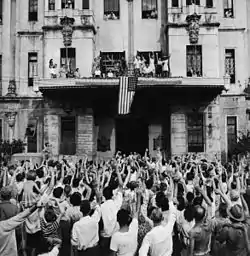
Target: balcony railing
82	17
179	15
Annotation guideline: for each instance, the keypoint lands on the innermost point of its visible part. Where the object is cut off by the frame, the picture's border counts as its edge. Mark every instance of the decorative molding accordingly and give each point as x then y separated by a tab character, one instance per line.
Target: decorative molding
183	25
11	89
30	33
11	118
193	27
67	30
80	27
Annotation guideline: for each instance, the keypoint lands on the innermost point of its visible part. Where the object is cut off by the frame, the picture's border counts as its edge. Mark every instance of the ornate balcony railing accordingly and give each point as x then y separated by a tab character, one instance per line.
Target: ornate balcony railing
83	18
209	16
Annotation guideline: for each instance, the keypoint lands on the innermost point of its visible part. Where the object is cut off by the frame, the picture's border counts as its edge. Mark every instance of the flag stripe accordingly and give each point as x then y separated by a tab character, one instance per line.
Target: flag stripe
126	94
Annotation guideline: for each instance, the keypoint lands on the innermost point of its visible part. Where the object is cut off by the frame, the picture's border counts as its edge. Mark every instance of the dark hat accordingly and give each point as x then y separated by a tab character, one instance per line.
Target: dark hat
236	213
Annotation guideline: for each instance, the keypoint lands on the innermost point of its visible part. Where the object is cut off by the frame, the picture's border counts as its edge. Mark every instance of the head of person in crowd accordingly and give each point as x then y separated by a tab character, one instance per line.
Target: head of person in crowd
198	201
31	175
149	183
5	193
58	192
20	177
49	215
222	210
180	203
75	183
67	190
107	193
40	173
156	216
75	199
123	218
234	195
199	213
85	208
236	213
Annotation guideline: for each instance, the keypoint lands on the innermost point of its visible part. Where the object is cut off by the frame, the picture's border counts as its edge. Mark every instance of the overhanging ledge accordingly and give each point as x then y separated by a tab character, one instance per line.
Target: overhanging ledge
84	83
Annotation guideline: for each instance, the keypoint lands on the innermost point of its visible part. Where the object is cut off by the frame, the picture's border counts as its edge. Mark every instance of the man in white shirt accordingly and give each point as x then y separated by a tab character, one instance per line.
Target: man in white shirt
159	239
85	232
109	210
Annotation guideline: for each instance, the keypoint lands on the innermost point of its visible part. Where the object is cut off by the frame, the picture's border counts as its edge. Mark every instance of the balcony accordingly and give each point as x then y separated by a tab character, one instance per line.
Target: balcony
84	19
177	16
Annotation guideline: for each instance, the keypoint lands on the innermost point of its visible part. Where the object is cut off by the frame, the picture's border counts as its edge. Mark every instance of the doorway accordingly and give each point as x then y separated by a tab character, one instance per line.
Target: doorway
68	136
131	135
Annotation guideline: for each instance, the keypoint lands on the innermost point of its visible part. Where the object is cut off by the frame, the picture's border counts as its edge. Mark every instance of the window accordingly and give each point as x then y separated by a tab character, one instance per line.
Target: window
111	9
228	8
68	4
149	9
1	12
190	2
68	136
32	68
68	55
1	129
51	5
175	3
33	10
114	62
209	3
231	133
195	132
194	60
31	134
85	4
230	64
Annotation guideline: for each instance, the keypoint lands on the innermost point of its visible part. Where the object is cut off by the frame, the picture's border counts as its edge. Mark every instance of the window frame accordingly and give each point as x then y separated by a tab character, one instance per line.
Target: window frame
236	131
145	13
33	10
115	57
199	148
232	76
196	48
31	78
34	136
190	2
51	3
71	67
83	4
175	3
209	3
106	13
226	8
65	2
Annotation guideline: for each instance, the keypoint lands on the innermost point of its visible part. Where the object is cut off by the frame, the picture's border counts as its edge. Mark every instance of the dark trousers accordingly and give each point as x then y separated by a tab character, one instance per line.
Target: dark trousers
94	251
105	245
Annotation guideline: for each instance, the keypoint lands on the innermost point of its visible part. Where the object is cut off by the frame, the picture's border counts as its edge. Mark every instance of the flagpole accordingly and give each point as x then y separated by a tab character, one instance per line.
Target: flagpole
130	37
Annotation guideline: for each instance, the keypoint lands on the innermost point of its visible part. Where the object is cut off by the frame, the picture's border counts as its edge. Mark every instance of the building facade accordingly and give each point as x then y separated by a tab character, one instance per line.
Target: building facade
199	104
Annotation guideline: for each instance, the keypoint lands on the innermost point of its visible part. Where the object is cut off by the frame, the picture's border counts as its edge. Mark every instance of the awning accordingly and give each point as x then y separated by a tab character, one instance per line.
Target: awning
67	83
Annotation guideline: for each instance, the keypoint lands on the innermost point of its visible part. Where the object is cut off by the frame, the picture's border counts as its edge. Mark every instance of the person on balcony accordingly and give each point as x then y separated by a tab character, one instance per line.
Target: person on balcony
137	65
97	73
165	68
159	67
110	74
53	71
77	73
152	63
147	71
63	72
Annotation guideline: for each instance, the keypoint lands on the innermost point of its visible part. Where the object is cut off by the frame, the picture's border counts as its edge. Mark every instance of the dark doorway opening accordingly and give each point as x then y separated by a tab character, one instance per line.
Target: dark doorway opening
68	136
131	135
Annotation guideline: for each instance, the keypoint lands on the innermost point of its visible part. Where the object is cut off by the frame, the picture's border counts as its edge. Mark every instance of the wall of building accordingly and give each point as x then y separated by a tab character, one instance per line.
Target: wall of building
112	35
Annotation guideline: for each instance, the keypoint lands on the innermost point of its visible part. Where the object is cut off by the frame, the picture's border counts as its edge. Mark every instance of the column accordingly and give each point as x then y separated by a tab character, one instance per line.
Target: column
85	133
130	36
51	132
178	134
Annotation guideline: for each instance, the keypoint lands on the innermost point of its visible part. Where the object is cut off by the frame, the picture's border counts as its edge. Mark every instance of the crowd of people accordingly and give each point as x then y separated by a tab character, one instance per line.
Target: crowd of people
129	205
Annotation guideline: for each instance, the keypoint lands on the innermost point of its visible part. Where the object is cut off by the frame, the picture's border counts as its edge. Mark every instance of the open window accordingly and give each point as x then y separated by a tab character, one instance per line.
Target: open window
149	9
111	9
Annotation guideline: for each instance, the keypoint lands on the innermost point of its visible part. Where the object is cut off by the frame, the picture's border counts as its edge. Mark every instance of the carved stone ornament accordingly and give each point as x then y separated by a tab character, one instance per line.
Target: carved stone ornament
67	30
11	118
193	27
11	89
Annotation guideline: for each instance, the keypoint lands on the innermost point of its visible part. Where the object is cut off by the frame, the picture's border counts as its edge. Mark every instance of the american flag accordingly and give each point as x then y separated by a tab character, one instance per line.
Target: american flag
126	94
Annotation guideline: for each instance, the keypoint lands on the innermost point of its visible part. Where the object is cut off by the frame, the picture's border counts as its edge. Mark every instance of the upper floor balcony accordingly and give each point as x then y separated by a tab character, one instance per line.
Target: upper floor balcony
177	15
83	19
